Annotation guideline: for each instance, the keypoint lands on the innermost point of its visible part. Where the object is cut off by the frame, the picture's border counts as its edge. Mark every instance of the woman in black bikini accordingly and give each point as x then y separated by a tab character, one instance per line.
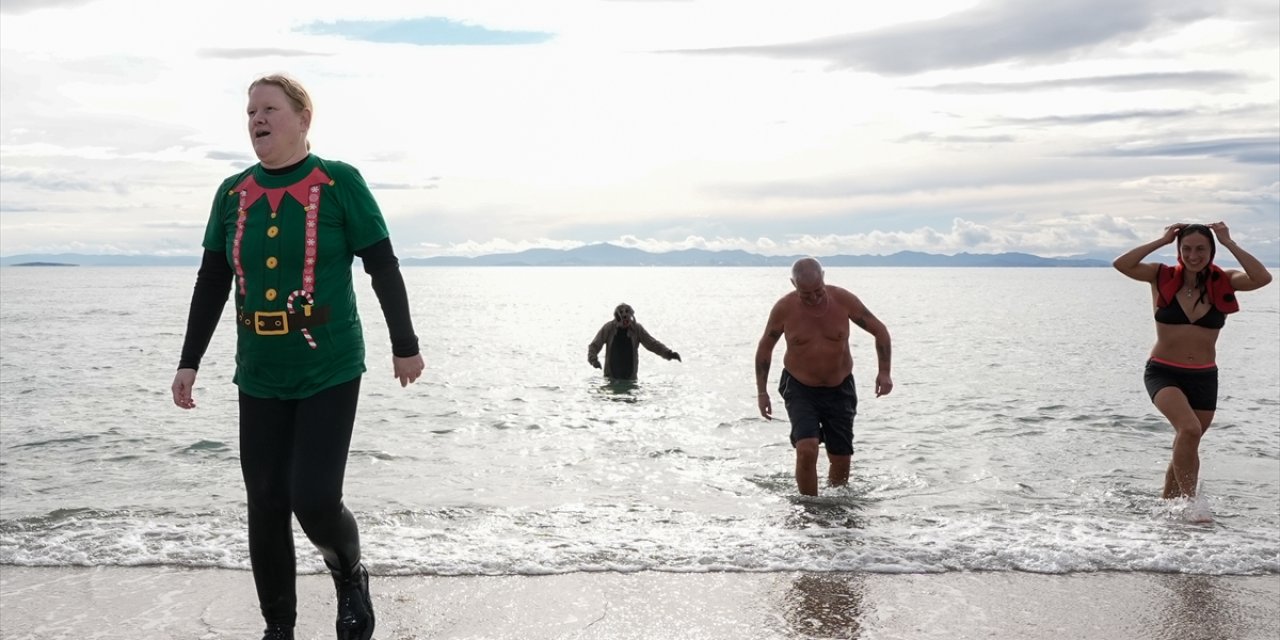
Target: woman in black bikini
1192	300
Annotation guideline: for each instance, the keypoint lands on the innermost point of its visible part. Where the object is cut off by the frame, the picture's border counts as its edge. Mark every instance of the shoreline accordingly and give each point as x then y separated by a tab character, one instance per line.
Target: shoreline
143	603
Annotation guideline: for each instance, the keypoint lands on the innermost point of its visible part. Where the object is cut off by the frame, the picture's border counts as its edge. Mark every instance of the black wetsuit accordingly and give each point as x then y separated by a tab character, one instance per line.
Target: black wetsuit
622	353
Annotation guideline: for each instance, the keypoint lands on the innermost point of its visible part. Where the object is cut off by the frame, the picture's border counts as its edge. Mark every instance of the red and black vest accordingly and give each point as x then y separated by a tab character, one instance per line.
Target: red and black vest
1221	293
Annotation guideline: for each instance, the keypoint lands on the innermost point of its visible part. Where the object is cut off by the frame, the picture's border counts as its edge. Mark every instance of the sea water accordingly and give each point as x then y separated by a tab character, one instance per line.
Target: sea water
1018	436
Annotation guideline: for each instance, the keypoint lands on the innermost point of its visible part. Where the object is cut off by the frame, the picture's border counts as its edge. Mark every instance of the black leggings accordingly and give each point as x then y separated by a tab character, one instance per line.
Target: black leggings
293	454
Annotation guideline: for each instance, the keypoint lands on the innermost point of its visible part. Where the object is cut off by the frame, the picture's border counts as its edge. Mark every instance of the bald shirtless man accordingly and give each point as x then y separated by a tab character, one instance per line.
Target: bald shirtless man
817	374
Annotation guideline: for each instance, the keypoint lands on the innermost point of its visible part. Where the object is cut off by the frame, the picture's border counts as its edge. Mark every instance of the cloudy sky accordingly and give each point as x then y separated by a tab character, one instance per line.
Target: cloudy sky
1055	127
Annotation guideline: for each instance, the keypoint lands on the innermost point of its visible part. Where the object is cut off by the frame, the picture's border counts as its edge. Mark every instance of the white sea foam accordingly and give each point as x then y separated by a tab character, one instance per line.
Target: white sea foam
544	543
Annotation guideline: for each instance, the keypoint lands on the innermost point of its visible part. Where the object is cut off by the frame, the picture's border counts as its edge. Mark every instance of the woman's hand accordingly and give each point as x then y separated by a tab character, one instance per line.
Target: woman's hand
183	382
408	369
1219	229
1171	232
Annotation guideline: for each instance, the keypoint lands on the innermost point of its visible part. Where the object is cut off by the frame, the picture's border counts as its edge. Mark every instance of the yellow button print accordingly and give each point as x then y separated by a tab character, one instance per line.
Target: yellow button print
271	294
273	231
272	262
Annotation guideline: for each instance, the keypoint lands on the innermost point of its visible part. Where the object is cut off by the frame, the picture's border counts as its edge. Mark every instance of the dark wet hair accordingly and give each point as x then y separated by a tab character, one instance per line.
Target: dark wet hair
621	309
1202	278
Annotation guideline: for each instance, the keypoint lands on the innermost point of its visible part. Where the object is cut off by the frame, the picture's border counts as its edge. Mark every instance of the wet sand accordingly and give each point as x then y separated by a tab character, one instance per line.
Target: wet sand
208	604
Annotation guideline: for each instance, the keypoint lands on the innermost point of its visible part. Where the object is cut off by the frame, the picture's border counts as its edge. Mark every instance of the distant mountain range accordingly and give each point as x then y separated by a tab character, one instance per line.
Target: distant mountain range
610	255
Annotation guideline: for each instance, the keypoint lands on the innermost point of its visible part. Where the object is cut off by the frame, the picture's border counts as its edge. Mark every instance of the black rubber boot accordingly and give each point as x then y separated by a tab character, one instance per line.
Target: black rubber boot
355	606
277	632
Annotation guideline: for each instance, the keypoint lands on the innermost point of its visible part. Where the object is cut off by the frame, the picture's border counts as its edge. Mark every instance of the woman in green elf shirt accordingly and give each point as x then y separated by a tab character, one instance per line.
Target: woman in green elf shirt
282	236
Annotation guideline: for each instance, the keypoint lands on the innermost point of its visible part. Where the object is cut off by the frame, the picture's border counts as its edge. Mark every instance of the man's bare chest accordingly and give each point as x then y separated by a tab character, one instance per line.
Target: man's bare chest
805	326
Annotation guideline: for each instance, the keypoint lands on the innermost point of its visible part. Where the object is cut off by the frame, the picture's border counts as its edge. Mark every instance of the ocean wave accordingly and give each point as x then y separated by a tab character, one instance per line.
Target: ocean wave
823	537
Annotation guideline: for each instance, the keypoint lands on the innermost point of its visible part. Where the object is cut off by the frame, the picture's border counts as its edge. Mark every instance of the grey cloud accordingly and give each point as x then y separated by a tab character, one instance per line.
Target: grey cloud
393	157
1261	17
926	136
971	234
120	133
18	207
17	7
230	156
957	176
32	77
1198	80
1094	118
262	52
48	181
129	134
404	186
1247	150
174	224
995	32
1265	201
835	221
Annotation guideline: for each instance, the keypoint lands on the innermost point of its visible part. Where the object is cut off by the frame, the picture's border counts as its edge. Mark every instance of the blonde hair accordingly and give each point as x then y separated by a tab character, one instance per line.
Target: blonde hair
298	97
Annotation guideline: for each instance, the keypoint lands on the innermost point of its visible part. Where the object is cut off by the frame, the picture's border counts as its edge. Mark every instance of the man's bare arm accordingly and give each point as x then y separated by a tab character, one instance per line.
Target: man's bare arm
764	358
867	321
884	350
773	331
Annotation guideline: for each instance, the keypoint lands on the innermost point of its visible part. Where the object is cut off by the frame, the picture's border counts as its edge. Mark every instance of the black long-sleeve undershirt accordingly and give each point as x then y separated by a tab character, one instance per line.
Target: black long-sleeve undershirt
383	267
213	284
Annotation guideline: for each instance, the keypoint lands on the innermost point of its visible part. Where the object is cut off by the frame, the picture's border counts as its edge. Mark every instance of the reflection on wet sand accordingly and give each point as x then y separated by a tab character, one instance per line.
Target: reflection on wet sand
818	604
824	605
1196	612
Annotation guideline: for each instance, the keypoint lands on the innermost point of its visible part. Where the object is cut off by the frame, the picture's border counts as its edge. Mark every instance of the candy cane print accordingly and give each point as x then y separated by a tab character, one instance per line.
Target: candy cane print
310	302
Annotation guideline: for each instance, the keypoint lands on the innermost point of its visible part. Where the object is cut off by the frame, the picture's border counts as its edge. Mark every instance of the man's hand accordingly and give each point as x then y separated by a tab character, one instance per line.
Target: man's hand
766	407
884	384
674	356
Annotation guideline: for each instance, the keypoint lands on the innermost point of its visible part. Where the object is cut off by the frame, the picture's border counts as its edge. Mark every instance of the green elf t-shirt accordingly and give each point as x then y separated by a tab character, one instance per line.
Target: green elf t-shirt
290	240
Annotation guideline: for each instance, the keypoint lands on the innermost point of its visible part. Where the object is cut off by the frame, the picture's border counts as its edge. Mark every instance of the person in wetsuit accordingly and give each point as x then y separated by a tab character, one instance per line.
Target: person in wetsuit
621	339
281	237
1191	301
817	376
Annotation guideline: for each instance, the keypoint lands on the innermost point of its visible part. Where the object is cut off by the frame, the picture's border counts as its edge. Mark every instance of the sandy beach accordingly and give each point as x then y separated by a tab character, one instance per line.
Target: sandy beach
205	604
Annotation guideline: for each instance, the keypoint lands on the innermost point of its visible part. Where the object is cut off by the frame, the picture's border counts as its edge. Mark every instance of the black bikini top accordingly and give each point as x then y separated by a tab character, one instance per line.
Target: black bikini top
1173	313
1221	297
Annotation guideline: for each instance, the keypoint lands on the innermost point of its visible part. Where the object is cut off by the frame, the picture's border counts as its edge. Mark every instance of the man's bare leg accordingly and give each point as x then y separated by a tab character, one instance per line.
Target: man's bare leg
838	474
1170	484
807	466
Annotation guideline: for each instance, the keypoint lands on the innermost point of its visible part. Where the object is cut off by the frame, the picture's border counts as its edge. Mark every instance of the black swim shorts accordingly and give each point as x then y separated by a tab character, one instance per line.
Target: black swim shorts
1199	385
822	412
